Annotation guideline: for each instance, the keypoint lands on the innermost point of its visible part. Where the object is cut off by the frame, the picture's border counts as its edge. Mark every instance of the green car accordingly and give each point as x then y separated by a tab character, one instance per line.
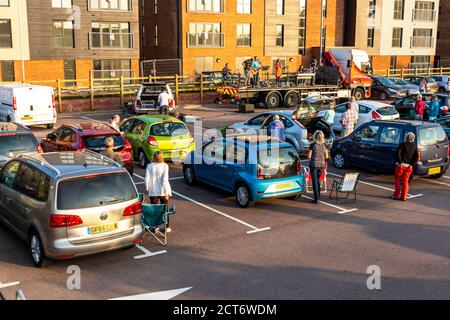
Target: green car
150	133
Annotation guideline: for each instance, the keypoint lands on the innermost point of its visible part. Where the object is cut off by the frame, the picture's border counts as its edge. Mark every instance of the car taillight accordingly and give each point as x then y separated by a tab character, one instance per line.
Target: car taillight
138	104
14	103
260	176
419	155
64	221
448	83
449	149
171	103
299	167
128	147
53	102
39	149
375	115
152	141
132	210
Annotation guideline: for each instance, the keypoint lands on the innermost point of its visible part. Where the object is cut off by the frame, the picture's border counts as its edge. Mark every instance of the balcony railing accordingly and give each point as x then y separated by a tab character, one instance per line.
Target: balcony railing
205	40
101	40
424	15
422	42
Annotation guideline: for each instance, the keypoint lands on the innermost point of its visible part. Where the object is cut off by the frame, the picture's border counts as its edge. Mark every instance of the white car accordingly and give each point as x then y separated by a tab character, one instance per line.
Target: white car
368	111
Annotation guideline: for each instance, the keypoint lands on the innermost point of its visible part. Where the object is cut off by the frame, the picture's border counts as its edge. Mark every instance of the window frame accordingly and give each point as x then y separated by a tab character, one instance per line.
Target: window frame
6	35
63	35
279	37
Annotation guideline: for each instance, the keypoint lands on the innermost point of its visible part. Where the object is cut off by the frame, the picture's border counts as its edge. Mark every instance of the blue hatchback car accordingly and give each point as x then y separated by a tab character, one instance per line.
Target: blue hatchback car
251	167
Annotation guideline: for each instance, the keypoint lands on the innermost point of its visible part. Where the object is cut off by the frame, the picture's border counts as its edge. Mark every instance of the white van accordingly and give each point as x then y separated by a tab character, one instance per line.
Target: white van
28	104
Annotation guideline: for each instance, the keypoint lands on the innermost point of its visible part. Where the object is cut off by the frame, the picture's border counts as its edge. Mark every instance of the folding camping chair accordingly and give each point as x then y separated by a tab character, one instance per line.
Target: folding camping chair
347	185
155	216
322	179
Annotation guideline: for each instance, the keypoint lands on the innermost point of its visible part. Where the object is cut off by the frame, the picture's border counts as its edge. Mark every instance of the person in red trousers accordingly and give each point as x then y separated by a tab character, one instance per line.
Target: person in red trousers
407	157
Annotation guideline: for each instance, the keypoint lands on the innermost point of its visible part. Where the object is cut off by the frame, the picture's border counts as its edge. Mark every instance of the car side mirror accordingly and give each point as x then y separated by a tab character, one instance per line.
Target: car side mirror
51	137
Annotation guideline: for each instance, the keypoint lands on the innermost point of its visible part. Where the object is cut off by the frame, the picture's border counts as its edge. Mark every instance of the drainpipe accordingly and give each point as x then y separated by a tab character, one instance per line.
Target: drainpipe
19	2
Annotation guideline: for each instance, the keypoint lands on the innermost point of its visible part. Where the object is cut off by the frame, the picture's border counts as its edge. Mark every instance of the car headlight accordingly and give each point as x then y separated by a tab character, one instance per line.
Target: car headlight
392	90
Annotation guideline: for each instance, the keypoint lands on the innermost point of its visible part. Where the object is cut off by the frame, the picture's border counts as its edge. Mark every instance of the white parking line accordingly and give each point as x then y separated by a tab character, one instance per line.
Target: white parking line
342	210
254	229
436	182
7	285
446	177
147	253
410	196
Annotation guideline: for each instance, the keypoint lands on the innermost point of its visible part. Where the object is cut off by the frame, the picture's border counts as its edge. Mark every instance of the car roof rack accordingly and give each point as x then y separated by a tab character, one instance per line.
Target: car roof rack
101	157
40	161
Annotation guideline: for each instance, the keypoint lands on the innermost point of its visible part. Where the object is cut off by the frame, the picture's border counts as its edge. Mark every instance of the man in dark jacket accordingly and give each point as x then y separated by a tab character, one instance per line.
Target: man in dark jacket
407	157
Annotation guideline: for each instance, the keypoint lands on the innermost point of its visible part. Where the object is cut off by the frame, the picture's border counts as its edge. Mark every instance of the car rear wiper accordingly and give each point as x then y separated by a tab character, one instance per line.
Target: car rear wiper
111	201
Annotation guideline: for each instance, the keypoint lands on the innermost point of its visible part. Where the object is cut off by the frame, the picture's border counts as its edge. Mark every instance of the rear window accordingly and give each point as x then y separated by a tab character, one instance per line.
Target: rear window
16	144
168	129
95	191
275	163
98	142
431	136
387	111
430	80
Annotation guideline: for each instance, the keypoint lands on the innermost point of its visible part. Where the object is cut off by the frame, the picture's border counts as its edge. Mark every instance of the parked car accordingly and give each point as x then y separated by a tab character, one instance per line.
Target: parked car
443	83
91	136
368	111
374	146
28	104
299	129
69	204
251	167
432	86
405	106
445	123
384	88
146	100
16	139
411	88
151	133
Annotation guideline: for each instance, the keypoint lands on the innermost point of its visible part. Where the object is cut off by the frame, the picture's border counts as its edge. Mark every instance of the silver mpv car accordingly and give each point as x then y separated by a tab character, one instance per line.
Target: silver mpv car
70	204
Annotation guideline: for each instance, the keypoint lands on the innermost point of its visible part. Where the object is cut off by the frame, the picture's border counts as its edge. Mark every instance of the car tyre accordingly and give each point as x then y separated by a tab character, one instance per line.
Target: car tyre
143	161
50	125
359	94
189	175
273	100
37	251
383	96
339	161
243	196
442	90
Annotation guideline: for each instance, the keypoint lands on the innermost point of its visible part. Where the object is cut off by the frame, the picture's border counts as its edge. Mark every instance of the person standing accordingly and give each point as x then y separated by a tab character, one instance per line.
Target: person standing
329	117
226	74
157	181
419	108
317	155
348	121
278	70
109	151
435	108
355	109
247	64
423	85
114	122
407	157
255	68
277	128
313	65
163	102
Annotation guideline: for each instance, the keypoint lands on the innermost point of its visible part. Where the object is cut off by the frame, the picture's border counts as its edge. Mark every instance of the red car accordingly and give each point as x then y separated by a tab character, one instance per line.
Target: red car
88	136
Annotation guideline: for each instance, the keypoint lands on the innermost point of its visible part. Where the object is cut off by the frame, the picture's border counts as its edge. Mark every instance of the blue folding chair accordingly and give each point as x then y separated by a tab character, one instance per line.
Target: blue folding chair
153	217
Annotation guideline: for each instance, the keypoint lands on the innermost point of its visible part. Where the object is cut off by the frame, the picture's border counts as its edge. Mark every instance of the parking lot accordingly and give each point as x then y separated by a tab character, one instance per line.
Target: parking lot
278	249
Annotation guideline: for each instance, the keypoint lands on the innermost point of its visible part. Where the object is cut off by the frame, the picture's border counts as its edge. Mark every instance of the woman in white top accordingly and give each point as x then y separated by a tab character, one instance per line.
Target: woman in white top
157	181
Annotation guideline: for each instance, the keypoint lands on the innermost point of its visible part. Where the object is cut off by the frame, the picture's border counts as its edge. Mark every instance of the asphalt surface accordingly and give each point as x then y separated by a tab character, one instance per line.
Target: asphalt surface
310	251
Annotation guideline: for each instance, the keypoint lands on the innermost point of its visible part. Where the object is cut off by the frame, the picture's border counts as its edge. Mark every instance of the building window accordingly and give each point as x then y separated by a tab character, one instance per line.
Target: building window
324	37
244	6
324	8
397	37
8	71
63	34
244	37
5	33
393	63
422	38
280	7
112	69
420	62
206	6
61	3
370	37
114	5
302	28
372	8
155	7
4	3
280	35
399	6
156	35
424	11
111	35
207	34
203	64
70	72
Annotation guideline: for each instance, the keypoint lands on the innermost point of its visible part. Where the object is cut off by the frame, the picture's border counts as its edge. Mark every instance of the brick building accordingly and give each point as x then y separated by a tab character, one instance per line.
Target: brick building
443	39
205	35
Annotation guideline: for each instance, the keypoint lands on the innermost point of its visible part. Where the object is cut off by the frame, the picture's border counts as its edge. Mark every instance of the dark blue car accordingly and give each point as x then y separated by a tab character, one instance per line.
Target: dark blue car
445	123
374	146
251	167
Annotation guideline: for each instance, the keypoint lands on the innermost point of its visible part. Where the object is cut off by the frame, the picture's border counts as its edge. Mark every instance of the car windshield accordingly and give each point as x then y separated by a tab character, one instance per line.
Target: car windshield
386	81
277	162
98	142
16	144
402	82
168	129
387	111
152	90
95	191
431	136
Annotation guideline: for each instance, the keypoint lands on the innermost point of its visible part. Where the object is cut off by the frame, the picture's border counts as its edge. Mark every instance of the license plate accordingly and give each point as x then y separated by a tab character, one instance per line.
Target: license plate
25	118
433	171
176	155
282	186
103	228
